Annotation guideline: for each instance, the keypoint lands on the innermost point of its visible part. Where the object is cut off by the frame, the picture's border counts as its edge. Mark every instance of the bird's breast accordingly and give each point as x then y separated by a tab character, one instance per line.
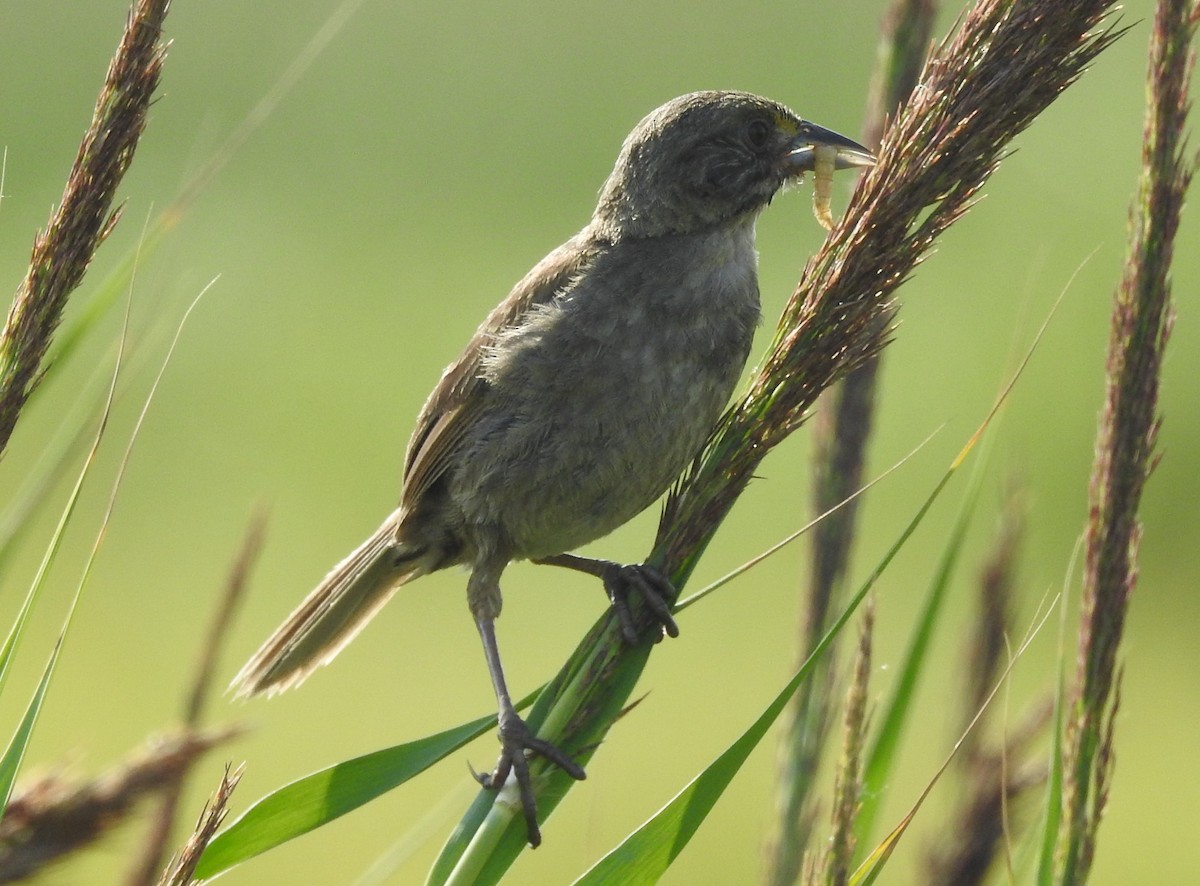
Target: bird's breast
599	399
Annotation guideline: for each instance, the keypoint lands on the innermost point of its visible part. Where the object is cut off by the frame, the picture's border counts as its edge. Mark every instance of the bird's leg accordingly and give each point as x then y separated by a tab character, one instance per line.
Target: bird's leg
619	582
516	738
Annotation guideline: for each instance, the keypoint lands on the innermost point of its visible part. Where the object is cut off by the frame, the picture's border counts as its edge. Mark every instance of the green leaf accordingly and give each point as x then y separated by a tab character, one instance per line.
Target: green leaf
879	761
319	798
869	870
491	835
872	866
10	763
645	855
13	640
1054	780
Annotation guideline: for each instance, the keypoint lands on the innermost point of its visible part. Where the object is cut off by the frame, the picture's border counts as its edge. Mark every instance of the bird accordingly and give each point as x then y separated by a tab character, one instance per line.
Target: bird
581	397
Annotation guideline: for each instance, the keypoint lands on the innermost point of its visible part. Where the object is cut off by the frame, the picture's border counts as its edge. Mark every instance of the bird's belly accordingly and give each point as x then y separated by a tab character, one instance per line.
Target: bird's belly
619	465
598	447
598	401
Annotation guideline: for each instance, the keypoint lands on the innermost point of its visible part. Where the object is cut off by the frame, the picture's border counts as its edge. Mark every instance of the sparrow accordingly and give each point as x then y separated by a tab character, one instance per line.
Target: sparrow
581	397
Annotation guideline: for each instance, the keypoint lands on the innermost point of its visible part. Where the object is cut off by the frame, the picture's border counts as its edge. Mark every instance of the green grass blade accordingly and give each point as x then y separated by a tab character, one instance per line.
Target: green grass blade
869	871
1054	779
879	762
871	867
13	640
319	798
882	756
14	754
10	763
1054	785
646	853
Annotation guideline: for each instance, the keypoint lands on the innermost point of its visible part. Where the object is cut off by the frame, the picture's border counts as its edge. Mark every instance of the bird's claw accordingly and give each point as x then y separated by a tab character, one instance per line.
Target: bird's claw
656	590
516	739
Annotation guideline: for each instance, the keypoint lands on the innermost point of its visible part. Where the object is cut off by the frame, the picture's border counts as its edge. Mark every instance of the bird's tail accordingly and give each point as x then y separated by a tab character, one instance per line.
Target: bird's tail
333	614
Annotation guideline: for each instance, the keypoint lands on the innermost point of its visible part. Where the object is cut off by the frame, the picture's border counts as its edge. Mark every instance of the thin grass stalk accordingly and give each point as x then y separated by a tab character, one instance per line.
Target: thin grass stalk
1004	66
995	620
987	819
49	843
52	816
84	218
1125	444
992	775
848	784
147	869
182	868
841	430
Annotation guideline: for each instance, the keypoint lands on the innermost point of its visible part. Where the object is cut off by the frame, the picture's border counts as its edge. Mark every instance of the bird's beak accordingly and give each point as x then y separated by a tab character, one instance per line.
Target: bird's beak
799	157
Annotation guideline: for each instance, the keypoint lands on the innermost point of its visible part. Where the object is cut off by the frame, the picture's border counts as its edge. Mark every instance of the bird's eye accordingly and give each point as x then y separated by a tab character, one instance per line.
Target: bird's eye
758	132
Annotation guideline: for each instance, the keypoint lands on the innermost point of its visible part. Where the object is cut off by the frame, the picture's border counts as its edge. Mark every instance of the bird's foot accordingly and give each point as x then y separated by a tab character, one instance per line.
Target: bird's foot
516	739
656	590
619	581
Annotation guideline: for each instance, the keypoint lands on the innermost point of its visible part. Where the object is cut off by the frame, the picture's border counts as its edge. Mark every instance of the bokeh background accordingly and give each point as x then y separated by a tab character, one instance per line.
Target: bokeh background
427	157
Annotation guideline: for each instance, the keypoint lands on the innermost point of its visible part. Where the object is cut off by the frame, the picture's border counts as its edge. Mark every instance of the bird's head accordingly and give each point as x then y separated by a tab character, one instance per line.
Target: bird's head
709	158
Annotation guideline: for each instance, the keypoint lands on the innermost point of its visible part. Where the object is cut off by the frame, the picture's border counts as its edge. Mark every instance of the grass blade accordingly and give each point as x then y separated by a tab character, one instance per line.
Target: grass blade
14	754
878	766
879	762
1054	780
645	855
319	798
11	761
870	869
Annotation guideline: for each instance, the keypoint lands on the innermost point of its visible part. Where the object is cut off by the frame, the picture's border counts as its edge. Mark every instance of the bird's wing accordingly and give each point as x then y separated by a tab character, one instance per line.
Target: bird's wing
452	407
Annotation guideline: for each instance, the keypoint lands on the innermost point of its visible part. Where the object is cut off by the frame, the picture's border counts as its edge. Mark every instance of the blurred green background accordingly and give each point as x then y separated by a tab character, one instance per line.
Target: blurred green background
427	158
